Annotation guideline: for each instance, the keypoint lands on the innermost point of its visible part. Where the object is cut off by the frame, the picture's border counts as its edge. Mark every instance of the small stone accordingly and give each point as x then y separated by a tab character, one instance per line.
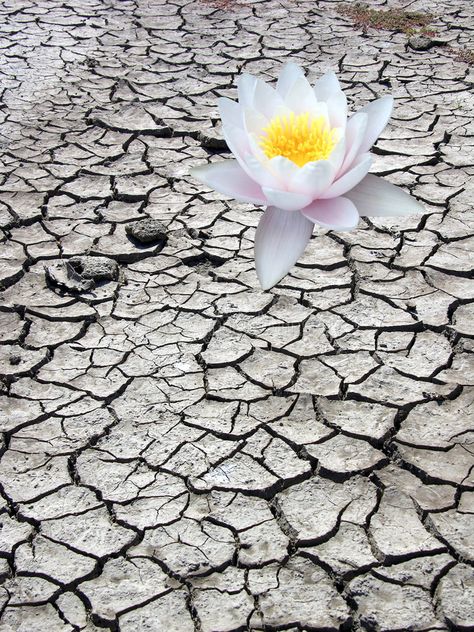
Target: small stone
420	42
97	268
147	230
63	275
212	142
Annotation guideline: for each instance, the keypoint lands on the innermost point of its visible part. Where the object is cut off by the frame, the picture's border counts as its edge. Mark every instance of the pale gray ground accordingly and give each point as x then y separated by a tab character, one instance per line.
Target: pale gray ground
182	451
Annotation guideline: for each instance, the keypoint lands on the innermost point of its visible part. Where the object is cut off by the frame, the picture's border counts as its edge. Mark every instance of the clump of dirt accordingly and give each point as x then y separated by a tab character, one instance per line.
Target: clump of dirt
463	54
397	20
224	5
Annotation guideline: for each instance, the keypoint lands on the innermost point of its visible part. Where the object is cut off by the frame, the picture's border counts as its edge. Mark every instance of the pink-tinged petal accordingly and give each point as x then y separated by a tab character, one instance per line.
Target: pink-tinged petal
327	86
229	178
350	179
286	200
288	76
375	197
231	112
301	97
355	133
313	178
379	112
280	240
246	85
337	213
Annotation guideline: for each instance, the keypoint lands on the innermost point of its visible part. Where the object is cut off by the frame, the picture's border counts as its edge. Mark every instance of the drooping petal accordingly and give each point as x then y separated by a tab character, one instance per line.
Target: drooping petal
229	178
286	200
379	112
231	112
313	178
246	89
280	240
349	180
375	197
337	213
355	133
290	73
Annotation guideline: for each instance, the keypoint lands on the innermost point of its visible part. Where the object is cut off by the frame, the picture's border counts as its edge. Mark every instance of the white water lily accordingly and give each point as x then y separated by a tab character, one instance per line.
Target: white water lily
297	153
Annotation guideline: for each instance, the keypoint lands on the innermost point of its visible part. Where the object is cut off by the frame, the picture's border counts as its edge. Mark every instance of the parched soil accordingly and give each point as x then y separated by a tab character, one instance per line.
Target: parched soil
183	452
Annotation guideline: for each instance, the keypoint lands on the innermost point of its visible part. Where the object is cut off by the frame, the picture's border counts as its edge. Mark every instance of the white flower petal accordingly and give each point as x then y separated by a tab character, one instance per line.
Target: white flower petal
280	240
327	86
301	97
256	150
290	73
231	112
337	213
246	85
229	178
355	132
313	178
286	200
283	169
336	157
375	197
321	109
259	172
379	112
237	141
350	179
254	122
267	101
328	90
337	108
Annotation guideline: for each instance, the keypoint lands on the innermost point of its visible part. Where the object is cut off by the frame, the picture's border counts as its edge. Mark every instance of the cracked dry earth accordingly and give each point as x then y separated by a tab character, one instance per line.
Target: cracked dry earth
183	452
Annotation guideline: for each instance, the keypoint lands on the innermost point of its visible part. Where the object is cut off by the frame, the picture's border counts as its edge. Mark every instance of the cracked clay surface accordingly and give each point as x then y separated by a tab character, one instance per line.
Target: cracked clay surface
181	451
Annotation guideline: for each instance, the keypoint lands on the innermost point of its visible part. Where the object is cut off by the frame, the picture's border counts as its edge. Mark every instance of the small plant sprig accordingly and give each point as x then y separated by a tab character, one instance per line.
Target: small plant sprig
397	20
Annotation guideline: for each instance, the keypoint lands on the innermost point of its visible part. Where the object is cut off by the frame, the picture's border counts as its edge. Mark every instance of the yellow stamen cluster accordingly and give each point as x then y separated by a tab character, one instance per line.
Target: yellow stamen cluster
299	138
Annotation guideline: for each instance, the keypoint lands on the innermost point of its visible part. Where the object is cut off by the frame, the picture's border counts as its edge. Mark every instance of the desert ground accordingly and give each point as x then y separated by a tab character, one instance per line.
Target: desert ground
182	451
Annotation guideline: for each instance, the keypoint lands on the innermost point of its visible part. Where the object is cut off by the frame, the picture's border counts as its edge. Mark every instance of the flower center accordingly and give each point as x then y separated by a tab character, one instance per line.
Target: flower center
299	138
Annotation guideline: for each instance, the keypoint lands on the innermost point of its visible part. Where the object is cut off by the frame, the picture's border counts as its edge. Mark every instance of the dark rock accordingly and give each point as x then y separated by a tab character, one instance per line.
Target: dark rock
212	142
421	42
147	230
15	358
97	268
64	276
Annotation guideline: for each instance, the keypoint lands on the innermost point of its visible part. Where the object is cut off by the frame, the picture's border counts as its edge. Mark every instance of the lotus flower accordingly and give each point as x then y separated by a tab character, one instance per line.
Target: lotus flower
298	154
